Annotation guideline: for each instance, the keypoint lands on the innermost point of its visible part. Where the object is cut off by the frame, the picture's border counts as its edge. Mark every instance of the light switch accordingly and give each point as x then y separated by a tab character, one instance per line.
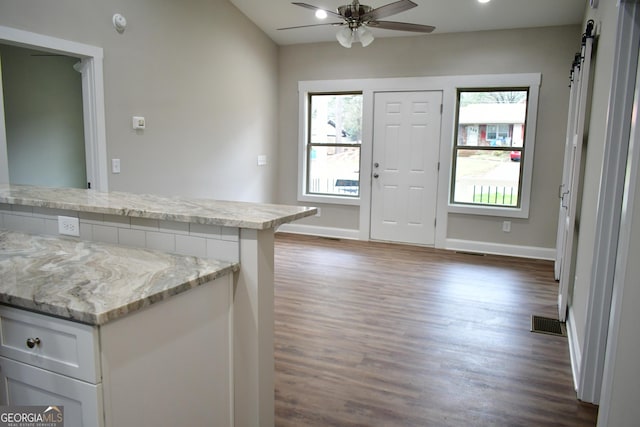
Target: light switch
115	165
262	160
138	122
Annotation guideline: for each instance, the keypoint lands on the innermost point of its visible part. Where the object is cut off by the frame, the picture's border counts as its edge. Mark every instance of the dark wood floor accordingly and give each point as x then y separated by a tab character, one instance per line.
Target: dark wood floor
370	334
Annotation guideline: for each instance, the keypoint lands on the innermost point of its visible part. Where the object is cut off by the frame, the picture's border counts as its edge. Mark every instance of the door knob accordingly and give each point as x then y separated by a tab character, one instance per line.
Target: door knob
376	165
375	175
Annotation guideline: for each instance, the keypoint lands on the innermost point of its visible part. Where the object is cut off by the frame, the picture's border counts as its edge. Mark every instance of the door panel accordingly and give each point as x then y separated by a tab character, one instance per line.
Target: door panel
570	189
405	166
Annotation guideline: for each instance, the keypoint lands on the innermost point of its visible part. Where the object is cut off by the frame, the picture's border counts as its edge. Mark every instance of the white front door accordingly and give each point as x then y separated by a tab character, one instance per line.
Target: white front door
406	138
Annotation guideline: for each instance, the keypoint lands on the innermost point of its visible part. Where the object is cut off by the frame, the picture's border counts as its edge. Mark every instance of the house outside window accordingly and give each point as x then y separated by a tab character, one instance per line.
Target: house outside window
489	147
334	138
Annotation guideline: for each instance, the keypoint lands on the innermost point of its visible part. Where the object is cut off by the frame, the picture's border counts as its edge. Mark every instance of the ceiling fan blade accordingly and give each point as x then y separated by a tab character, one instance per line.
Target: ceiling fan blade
401	26
388	10
329	12
312	25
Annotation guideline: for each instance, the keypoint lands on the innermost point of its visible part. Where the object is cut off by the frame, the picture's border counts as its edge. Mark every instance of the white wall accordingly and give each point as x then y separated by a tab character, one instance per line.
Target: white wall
43	118
203	76
622	380
544	50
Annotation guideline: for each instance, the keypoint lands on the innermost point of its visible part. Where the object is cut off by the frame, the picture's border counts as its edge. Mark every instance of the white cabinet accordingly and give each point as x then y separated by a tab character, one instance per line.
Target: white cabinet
65	347
166	364
50	361
24	384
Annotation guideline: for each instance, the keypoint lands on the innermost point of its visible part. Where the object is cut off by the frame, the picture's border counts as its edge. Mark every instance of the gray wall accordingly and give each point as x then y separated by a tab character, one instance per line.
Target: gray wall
43	118
203	76
544	50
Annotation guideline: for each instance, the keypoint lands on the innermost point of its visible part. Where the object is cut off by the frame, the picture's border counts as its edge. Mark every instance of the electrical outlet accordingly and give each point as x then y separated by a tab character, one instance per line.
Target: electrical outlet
506	226
68	226
318	213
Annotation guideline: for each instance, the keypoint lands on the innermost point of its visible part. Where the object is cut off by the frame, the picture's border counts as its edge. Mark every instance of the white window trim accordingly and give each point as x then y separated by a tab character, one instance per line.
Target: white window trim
532	81
304	88
448	86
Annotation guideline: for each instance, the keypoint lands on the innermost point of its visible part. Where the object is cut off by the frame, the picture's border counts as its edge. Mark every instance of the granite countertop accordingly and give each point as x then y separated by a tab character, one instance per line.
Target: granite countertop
92	282
258	216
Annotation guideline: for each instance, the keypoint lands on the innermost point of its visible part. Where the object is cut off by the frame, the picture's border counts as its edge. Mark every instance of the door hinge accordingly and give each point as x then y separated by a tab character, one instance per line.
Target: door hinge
438	166
89	185
441	108
435	222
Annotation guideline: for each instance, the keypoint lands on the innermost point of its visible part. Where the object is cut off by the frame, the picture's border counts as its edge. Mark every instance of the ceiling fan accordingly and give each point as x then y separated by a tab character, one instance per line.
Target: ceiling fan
356	18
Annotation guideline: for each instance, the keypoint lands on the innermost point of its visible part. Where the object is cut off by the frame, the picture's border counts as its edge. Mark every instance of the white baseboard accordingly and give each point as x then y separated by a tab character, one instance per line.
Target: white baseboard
500	249
451	244
575	352
314	230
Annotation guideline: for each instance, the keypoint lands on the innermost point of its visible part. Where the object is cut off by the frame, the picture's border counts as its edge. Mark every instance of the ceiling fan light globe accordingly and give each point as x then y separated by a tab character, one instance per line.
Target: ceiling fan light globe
365	36
345	37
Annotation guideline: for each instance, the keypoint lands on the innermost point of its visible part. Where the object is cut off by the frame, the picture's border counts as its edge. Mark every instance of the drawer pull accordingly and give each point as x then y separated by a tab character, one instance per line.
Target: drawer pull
32	342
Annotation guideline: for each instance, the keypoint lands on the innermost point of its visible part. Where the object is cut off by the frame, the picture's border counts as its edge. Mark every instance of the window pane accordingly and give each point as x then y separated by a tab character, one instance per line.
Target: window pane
495	118
487	177
334	171
492	120
336	118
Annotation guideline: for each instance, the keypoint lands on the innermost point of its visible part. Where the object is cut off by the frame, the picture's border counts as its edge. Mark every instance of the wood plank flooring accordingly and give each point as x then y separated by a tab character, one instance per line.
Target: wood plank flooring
374	334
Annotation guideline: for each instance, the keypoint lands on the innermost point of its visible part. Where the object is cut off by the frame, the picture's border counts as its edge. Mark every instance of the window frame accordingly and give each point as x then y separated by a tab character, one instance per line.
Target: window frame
305	91
531	83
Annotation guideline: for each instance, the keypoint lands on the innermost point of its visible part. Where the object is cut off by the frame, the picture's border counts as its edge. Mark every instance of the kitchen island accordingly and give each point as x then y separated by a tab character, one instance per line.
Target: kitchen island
236	232
100	329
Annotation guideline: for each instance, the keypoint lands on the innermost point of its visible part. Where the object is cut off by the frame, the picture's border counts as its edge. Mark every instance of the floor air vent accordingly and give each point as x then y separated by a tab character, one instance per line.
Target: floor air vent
546	325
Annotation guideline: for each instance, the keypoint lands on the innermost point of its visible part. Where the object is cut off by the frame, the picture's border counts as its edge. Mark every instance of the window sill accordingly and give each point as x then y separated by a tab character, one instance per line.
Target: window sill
336	200
522	212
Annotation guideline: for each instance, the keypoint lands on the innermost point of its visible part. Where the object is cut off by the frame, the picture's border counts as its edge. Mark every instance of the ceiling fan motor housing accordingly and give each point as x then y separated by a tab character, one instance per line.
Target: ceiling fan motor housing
353	11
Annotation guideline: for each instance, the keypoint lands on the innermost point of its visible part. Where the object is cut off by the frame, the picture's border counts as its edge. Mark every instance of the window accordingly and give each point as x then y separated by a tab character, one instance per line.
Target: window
333	141
488	158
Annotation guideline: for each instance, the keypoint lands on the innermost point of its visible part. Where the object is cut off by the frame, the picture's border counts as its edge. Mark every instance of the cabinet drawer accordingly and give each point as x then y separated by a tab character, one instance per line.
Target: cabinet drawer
22	384
58	345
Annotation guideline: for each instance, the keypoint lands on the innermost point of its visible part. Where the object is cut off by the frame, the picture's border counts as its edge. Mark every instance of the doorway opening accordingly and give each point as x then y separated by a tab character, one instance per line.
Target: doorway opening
87	60
42	99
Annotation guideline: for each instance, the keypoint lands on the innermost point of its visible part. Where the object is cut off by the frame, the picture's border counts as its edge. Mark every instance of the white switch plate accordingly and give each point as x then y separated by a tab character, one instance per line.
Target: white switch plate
68	226
115	165
262	160
506	226
139	122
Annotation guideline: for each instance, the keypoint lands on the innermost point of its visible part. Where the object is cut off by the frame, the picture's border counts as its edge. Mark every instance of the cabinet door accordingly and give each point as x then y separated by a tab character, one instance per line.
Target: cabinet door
23	384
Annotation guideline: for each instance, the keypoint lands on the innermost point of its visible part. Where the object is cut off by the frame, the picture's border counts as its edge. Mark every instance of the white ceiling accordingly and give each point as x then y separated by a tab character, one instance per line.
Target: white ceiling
446	15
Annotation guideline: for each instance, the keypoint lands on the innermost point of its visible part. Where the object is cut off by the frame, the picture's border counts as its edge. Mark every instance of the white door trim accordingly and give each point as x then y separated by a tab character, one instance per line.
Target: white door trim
4	159
92	99
608	226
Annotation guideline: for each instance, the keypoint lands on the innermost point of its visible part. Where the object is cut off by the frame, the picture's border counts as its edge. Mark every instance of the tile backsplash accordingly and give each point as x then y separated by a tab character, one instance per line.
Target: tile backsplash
206	241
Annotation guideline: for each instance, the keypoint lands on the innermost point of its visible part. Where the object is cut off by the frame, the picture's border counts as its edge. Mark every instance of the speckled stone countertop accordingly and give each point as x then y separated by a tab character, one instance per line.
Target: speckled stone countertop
92	282
258	216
